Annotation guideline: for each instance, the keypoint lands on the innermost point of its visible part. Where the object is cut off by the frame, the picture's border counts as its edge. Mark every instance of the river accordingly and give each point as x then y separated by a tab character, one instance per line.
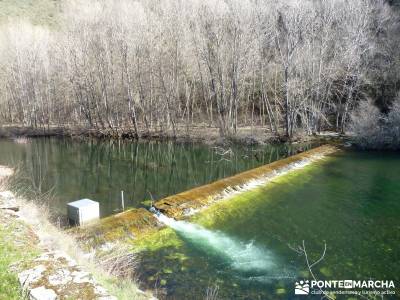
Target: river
246	247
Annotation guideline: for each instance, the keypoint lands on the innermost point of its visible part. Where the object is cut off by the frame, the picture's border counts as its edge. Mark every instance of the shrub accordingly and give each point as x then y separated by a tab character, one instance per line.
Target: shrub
393	127
374	130
366	126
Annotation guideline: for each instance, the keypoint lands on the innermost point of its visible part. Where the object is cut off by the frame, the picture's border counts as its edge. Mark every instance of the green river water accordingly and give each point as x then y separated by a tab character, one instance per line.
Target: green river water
245	246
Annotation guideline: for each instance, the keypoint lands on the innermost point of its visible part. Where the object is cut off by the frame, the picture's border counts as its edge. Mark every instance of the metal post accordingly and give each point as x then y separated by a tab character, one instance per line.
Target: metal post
122	200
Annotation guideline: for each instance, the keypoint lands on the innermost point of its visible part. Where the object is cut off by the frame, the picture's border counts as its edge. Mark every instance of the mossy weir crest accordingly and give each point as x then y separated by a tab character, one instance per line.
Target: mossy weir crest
178	205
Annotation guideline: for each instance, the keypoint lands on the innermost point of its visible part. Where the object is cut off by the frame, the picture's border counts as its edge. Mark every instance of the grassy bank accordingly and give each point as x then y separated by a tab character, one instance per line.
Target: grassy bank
26	234
14	238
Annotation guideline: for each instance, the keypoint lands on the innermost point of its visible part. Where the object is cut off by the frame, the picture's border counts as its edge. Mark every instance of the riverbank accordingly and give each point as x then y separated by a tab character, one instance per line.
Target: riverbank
42	261
248	135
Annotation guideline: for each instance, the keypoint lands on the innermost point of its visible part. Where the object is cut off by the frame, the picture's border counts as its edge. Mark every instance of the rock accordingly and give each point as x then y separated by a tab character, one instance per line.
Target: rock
8	202
43	257
41	293
28	276
7	195
62	257
81	277
107	247
99	290
60	278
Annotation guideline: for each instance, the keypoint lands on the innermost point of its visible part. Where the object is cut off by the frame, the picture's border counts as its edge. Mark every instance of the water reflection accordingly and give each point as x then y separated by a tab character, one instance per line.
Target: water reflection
100	170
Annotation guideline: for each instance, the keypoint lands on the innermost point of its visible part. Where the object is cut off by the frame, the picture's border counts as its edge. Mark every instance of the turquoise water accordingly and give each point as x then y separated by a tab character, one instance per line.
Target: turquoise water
247	245
100	170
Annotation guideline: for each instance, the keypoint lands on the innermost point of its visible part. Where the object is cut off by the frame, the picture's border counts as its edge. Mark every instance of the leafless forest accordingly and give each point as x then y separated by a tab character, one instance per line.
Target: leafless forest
289	66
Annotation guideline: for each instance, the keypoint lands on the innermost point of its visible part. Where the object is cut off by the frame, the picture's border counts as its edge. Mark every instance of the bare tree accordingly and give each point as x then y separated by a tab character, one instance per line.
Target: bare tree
136	67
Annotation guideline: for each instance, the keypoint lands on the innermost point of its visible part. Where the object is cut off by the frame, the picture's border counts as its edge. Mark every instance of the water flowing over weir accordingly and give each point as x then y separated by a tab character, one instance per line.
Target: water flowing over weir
186	203
141	222
242	257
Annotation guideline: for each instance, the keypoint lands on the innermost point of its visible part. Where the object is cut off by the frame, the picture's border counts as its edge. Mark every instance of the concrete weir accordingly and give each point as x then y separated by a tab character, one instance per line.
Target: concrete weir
180	205
135	223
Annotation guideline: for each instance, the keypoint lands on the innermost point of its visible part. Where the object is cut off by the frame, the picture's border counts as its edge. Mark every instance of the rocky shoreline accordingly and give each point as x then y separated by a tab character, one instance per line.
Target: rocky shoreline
50	273
53	274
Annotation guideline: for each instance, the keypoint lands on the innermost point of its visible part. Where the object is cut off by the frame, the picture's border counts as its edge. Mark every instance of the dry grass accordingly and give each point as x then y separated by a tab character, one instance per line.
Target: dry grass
118	261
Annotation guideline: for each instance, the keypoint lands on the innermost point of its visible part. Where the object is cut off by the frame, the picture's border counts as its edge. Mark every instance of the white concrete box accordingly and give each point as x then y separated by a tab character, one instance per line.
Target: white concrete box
83	211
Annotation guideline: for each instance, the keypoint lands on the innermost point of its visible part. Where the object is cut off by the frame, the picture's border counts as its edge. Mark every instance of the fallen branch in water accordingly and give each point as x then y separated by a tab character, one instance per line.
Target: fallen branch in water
212	293
301	250
223	152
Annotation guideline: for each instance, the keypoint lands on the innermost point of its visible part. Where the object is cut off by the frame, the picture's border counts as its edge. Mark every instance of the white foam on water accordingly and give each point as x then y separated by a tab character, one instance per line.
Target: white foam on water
246	257
257	182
